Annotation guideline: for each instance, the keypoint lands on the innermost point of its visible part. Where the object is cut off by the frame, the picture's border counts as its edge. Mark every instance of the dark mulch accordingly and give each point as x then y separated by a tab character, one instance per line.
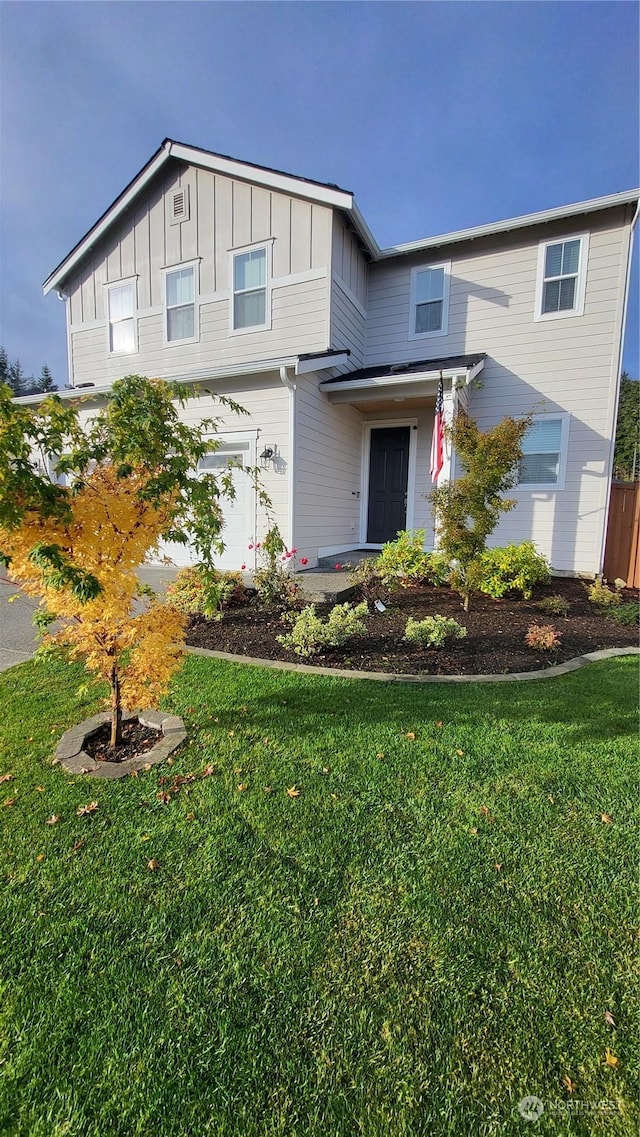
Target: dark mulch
494	644
136	739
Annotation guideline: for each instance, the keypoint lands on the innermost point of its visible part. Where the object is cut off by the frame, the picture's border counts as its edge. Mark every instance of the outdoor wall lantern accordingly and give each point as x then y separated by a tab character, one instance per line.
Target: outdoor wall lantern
268	455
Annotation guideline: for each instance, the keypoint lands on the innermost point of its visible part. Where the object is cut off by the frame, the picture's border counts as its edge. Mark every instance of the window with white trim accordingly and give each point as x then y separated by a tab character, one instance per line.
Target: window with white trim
251	289
561	277
429	302
544	452
181	304
123	331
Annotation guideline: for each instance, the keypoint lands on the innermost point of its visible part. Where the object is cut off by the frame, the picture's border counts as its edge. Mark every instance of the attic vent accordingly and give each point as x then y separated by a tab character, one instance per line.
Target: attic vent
180	205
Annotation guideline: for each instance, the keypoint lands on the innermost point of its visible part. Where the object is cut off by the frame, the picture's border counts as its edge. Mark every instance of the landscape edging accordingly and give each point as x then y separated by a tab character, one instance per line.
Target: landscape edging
381	676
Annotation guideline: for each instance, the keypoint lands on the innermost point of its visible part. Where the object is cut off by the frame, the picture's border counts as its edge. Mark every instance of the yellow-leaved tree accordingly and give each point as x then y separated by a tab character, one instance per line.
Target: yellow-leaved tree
83	504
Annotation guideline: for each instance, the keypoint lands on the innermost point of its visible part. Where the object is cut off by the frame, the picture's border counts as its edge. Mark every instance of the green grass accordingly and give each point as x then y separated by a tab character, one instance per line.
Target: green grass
349	961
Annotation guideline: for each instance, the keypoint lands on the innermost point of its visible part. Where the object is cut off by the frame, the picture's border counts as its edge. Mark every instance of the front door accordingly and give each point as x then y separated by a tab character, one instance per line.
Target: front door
388	472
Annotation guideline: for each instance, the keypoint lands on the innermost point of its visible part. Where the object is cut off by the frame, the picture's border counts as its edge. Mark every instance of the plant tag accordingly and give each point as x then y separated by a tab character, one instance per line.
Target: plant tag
380	606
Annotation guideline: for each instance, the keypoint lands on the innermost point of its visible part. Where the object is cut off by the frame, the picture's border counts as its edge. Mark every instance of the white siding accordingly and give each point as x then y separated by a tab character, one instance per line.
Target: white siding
327	475
561	365
268	419
224	214
349	271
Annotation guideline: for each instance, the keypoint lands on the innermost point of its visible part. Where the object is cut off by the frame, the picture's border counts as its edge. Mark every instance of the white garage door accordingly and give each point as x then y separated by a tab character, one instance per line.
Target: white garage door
238	512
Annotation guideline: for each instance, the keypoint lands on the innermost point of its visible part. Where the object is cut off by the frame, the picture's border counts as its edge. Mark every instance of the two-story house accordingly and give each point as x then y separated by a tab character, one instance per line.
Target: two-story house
270	288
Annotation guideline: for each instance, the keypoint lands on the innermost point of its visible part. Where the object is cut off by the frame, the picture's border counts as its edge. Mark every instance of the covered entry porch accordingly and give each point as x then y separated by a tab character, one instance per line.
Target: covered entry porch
397	403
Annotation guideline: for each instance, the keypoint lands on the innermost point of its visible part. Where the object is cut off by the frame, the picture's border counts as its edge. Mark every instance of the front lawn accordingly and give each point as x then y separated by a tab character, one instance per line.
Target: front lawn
432	929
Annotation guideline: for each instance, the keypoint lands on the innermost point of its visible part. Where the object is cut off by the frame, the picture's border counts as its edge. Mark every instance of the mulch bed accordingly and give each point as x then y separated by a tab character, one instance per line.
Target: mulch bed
136	739
494	644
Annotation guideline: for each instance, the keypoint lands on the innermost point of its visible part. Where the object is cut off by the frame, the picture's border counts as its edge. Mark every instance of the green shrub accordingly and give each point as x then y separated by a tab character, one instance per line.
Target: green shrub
201	591
512	568
310	633
554	606
602	596
626	614
433	631
542	637
405	563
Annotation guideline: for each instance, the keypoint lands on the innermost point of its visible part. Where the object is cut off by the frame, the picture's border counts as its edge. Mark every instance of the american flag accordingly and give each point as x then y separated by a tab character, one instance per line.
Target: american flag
437	442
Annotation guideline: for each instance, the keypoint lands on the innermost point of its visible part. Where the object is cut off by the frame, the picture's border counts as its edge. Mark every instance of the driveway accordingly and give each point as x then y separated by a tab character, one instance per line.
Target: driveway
18	637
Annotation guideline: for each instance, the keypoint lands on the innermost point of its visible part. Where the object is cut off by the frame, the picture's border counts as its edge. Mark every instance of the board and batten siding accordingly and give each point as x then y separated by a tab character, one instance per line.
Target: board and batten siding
565	365
349	271
225	214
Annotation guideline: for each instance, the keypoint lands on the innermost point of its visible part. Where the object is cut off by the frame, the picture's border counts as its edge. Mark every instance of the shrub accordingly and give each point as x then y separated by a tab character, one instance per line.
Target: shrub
405	563
542	637
554	606
433	631
512	568
602	596
200	591
310	633
627	614
273	581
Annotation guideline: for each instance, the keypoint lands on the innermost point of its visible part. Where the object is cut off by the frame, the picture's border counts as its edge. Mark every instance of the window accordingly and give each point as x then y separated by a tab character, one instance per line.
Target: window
562	277
544	452
429	301
251	293
181	306
122	318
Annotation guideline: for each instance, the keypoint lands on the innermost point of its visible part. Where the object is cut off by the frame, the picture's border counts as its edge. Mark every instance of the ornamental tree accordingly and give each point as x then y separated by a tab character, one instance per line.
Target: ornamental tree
84	503
468	509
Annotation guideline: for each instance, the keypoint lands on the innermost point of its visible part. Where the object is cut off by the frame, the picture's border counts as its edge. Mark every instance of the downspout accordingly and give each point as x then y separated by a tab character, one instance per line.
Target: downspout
616	390
288	382
67	314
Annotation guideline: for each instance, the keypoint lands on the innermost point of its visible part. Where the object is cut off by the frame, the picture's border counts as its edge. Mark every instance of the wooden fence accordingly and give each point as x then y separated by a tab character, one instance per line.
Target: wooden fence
622	548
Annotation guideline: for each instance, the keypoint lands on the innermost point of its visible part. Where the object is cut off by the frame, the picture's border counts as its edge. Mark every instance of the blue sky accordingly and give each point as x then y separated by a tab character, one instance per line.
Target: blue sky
436	115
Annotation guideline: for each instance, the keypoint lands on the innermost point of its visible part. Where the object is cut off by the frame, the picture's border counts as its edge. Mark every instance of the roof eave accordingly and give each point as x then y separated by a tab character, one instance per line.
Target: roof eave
610	201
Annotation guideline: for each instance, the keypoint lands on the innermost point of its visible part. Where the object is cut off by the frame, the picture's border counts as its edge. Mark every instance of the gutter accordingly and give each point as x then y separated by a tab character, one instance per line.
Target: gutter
403	379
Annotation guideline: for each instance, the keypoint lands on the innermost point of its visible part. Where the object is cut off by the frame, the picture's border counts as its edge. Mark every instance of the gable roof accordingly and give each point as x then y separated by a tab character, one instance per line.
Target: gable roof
322	192
325	193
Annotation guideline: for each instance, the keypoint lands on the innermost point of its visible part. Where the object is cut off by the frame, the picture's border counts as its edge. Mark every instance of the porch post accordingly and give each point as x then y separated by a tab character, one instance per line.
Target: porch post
448	412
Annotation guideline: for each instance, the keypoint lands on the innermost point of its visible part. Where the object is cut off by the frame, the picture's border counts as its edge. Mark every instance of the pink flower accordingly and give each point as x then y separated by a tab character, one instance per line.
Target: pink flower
258	545
337	567
304	561
243	566
249	546
283	557
293	551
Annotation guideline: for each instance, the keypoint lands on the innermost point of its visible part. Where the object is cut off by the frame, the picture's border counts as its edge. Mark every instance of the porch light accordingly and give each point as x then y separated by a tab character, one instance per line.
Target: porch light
268	454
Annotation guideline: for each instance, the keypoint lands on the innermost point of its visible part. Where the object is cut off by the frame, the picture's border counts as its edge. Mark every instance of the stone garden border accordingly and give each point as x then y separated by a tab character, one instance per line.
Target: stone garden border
390	677
75	760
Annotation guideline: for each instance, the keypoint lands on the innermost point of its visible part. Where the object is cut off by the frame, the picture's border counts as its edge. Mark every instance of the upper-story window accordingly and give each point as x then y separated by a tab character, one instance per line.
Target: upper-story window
544	451
562	274
123	331
251	289
429	303
181	304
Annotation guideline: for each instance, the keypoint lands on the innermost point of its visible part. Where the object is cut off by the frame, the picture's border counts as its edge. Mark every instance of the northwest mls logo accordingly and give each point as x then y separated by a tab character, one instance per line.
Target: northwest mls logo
531	1108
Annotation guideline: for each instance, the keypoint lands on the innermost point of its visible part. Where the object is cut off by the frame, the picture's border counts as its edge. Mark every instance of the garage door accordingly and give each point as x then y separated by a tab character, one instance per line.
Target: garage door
238	512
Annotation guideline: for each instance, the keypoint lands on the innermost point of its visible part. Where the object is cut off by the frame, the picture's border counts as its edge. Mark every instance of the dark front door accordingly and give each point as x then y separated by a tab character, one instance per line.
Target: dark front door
388	468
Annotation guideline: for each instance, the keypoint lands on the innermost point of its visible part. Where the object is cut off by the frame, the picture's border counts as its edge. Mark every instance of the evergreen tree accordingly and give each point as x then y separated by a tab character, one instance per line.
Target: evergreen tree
45	382
4	366
626	455
18	381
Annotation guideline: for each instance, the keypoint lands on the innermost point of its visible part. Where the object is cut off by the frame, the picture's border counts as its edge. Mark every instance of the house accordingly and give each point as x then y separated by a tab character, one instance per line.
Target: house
270	288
